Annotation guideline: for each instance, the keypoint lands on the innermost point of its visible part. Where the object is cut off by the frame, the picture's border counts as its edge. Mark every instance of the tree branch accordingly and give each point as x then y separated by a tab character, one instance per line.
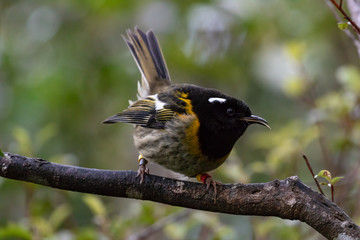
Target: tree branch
287	199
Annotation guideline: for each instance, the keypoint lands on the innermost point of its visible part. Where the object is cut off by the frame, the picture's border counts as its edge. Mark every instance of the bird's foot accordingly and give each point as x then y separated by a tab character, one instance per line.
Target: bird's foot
142	168
208	180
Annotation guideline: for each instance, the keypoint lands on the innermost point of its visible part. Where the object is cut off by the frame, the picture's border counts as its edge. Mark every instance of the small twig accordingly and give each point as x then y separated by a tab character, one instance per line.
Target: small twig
312	173
339	7
351	34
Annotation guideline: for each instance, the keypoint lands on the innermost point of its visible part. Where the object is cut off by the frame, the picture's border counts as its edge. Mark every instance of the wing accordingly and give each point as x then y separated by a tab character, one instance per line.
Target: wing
149	112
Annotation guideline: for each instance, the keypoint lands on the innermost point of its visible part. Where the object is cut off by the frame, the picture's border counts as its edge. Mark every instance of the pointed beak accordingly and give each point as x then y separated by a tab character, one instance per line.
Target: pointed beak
256	119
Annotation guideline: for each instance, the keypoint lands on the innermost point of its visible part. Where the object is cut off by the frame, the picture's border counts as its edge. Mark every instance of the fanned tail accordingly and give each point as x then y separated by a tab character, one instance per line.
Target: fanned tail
148	56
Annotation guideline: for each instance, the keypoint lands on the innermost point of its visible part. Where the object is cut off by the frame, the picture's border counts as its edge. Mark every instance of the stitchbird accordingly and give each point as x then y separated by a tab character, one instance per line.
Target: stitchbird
185	128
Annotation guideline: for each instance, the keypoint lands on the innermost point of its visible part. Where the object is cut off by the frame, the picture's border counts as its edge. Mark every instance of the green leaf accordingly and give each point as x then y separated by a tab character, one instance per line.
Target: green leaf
342	25
294	86
1	154
324	174
23	139
45	134
95	204
15	231
335	180
349	77
59	215
296	49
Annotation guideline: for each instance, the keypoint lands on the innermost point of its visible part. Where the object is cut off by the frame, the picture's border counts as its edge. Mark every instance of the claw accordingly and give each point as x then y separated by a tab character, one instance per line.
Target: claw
141	172
142	169
208	180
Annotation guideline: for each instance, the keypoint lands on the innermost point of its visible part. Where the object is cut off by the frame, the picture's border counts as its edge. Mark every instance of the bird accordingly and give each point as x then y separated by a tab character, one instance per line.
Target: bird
186	128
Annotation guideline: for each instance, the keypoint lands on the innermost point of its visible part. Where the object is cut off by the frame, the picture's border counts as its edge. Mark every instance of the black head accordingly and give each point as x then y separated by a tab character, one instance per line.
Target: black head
223	113
223	119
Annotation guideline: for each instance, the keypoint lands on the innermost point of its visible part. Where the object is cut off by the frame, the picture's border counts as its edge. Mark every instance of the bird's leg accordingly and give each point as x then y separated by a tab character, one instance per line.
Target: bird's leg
142	168
208	180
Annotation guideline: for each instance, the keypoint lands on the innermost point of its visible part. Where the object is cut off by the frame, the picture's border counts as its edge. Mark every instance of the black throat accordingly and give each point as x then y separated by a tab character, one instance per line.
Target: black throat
217	143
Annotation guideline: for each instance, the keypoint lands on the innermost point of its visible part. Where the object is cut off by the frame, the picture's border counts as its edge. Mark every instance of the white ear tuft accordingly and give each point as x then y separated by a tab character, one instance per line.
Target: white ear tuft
216	99
158	104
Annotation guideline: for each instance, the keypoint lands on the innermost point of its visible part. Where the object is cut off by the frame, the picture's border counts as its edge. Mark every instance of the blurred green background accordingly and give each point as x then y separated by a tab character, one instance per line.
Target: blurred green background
64	68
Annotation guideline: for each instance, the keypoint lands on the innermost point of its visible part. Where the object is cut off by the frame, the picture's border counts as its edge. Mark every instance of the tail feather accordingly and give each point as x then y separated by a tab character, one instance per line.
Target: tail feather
148	56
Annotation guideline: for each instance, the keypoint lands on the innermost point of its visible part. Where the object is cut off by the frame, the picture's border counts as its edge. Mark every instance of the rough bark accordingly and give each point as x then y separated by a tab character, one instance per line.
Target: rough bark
287	199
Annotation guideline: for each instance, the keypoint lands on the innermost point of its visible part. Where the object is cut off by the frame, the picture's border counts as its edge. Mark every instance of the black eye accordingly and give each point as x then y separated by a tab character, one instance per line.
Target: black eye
230	111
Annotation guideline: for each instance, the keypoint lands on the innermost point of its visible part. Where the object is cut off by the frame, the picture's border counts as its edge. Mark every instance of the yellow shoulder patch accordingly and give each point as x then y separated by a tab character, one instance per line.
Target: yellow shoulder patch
192	138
